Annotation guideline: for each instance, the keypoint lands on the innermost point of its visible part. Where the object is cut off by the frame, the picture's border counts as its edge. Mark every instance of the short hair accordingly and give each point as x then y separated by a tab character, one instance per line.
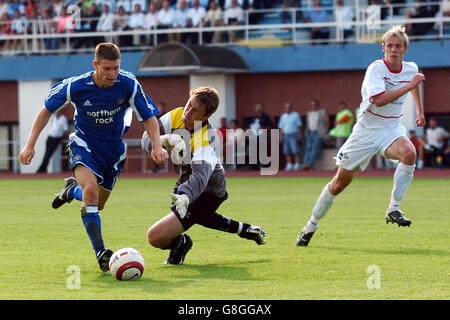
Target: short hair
396	31
108	51
207	96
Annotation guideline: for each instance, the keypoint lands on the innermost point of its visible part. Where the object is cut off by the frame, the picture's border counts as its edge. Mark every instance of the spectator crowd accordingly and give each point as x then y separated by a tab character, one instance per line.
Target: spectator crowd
19	17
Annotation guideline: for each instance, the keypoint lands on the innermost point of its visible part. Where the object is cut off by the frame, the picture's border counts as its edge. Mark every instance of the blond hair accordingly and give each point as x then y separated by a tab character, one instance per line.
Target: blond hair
207	96
396	31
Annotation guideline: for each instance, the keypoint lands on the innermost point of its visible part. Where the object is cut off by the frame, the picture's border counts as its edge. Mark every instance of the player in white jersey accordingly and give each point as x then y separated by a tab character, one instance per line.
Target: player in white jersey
102	100
378	131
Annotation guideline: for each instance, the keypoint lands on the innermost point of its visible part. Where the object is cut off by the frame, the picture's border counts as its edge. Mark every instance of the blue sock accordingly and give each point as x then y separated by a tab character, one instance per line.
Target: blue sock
75	193
93	226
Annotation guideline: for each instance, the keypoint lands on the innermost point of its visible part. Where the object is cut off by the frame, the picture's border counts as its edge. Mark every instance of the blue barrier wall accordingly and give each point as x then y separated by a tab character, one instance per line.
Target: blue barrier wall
427	54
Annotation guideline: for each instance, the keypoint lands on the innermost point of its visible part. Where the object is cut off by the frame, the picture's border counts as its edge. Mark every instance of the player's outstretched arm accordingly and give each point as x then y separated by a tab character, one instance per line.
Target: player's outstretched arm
420	121
39	123
158	154
389	96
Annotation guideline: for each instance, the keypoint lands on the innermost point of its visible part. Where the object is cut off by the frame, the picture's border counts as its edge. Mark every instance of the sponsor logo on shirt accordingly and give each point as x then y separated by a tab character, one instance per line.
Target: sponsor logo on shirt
103	116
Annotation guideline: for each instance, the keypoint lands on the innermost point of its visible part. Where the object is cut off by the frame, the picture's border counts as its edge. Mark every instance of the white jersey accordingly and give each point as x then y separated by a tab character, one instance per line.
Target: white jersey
377	80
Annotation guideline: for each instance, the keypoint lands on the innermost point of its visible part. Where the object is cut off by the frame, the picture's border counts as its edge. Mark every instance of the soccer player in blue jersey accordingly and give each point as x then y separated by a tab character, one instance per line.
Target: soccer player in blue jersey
102	100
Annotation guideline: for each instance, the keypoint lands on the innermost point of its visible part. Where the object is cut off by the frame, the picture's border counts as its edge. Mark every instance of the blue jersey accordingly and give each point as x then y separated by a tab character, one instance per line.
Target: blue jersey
100	112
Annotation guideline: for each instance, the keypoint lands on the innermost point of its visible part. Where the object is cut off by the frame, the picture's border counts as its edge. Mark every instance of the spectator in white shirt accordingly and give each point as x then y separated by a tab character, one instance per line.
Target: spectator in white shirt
105	22
213	18
106	19
137	18
196	16
121	24
181	20
151	21
166	17
344	16
4	7
136	22
151	18
436	138
233	16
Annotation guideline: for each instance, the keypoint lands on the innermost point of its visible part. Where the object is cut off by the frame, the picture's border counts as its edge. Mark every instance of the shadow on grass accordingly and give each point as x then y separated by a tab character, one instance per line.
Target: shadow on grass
175	277
396	251
222	271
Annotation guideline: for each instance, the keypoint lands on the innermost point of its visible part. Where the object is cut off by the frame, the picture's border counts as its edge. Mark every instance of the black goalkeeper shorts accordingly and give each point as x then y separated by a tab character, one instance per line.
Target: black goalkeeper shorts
198	210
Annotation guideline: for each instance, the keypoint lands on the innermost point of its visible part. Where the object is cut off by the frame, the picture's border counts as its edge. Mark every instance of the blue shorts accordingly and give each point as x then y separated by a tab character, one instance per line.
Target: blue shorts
290	145
104	158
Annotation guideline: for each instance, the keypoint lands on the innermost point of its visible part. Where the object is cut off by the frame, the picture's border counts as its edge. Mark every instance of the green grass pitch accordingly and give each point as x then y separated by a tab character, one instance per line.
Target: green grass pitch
353	255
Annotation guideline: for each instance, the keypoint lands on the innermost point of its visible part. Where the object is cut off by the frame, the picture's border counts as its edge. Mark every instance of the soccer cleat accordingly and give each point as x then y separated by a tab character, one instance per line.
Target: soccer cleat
62	196
103	259
256	234
303	238
176	256
398	217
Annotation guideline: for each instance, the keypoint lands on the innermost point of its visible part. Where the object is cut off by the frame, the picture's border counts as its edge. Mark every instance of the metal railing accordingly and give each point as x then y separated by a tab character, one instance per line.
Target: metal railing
9	159
289	31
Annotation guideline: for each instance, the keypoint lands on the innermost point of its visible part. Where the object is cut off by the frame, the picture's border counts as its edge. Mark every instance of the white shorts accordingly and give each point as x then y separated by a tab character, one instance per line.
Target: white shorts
364	143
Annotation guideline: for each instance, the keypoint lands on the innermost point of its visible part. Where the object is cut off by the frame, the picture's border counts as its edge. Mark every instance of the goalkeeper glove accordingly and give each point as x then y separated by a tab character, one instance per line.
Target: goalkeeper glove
181	202
174	142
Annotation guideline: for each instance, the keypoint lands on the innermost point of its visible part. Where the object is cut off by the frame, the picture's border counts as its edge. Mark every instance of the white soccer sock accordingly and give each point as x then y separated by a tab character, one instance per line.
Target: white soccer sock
324	202
402	179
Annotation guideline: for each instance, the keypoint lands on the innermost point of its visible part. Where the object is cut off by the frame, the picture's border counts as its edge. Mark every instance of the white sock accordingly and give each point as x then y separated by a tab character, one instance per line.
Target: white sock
324	202
402	179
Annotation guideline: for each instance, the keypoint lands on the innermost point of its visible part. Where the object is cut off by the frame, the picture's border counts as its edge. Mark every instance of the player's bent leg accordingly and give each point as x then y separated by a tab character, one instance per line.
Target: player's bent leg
167	234
88	182
403	150
161	234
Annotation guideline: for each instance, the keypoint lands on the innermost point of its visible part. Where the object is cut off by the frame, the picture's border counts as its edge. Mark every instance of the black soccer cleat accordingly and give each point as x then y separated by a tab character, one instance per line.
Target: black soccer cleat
62	196
398	217
177	256
303	238
254	233
103	259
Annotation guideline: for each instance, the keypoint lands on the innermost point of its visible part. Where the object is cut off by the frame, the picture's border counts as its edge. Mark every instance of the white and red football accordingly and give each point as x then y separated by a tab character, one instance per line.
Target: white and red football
126	264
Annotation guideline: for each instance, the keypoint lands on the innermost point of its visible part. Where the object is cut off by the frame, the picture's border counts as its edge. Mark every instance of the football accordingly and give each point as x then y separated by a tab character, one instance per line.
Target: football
126	264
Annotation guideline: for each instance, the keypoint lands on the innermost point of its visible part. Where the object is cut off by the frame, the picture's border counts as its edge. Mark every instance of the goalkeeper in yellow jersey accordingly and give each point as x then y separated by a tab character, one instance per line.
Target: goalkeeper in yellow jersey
201	187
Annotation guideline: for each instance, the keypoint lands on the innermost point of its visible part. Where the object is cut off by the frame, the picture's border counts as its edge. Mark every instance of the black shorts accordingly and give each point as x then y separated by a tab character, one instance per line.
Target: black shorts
206	204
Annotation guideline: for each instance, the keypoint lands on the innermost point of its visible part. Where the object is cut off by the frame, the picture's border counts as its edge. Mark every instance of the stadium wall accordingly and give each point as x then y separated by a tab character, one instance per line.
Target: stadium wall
328	73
